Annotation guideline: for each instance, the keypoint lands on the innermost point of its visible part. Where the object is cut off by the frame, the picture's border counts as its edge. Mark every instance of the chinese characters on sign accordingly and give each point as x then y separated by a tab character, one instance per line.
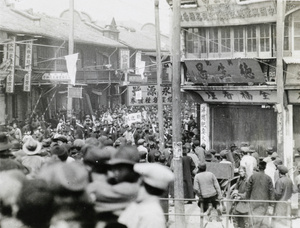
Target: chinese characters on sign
239	96
56	76
204	123
224	71
124	59
147	95
28	67
227	10
10	79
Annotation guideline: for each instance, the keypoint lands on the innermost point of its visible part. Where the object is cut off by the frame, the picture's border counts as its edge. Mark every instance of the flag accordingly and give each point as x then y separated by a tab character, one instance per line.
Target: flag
71	67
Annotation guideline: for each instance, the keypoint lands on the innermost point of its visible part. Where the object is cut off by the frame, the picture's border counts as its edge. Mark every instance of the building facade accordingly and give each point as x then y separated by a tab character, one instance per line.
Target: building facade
229	58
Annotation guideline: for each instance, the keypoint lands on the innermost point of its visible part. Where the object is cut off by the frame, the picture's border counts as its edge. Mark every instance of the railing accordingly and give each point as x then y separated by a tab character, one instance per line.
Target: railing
201	221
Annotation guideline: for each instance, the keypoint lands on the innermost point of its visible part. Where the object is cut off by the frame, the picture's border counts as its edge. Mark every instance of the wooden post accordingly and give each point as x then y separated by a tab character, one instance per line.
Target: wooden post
176	116
158	72
71	51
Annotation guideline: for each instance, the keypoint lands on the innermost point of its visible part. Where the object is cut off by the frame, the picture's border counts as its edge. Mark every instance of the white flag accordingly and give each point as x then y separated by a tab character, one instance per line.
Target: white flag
71	67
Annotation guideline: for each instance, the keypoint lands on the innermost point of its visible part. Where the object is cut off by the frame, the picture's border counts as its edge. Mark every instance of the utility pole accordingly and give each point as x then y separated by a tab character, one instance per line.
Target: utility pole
159	81
71	51
176	116
284	111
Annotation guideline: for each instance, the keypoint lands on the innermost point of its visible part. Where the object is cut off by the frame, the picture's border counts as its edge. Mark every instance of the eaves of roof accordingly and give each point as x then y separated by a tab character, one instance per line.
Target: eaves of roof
15	22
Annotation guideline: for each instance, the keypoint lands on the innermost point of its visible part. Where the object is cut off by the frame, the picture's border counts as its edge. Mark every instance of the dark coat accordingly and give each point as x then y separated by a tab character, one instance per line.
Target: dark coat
188	166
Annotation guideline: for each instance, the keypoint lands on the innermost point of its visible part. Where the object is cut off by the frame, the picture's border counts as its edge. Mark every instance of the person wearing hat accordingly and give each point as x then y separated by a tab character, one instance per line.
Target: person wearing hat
208	190
199	150
33	159
128	134
283	192
118	188
143	151
191	153
68	182
146	210
248	161
269	151
260	187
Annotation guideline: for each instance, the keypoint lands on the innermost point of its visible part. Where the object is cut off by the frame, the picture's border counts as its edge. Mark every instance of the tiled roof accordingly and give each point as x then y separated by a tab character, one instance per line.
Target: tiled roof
139	40
12	20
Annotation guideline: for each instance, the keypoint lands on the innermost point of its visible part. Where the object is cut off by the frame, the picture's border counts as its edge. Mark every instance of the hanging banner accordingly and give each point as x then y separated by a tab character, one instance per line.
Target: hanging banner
11	54
71	67
28	67
124	59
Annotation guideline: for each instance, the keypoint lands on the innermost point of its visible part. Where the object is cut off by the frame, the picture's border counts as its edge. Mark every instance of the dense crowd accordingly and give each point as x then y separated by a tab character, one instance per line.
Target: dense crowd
106	171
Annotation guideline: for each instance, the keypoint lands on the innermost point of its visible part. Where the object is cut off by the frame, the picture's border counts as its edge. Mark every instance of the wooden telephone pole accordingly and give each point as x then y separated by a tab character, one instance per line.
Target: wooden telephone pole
176	116
159	70
71	51
285	142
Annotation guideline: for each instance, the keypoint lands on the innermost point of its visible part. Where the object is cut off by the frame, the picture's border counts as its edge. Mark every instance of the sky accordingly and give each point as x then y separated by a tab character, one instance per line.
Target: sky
141	11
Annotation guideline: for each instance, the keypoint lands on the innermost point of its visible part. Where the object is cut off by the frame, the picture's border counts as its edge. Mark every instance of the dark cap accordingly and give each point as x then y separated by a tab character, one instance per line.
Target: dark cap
125	155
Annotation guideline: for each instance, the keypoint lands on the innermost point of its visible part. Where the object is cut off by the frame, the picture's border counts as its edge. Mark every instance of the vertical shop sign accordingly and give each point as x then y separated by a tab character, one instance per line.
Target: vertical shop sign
124	59
11	54
28	67
204	124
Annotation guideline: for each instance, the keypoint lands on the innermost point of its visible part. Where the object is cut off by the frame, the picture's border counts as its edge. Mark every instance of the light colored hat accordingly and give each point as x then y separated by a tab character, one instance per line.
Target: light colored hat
274	155
282	169
141	141
32	146
245	149
223	153
154	174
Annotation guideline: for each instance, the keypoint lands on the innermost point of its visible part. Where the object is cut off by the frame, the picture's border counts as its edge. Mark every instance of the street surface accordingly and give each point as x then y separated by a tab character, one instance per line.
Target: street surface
193	221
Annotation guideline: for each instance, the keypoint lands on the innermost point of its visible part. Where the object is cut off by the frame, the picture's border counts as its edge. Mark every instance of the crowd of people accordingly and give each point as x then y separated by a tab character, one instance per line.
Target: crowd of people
106	171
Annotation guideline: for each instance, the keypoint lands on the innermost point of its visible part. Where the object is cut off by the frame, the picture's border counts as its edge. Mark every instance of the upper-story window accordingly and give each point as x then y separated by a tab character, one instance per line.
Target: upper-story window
192	40
202	37
225	40
264	37
297	32
231	41
238	33
213	40
286	40
251	38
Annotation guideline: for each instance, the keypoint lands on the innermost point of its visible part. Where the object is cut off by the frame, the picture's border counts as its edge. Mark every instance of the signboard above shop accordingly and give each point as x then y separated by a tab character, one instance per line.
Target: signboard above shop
244	96
147	94
224	71
229	12
56	76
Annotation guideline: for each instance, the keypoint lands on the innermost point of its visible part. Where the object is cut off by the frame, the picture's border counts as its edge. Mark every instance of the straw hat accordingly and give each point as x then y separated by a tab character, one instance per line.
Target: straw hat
32	147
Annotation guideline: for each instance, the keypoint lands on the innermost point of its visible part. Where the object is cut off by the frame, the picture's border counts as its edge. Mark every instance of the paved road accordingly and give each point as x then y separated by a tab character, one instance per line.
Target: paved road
192	219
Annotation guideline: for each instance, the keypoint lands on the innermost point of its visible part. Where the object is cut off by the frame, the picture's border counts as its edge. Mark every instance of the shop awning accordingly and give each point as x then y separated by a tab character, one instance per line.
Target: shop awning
224	71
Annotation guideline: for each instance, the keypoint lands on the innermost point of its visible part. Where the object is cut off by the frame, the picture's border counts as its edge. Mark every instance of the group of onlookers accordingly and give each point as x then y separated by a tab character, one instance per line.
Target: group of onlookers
106	172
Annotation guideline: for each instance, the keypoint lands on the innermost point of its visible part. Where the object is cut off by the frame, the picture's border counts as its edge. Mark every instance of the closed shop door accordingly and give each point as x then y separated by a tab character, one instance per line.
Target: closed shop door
296	125
236	124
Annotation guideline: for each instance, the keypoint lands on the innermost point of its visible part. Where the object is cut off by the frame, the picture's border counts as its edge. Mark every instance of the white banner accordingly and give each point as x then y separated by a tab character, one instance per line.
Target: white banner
133	118
71	66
